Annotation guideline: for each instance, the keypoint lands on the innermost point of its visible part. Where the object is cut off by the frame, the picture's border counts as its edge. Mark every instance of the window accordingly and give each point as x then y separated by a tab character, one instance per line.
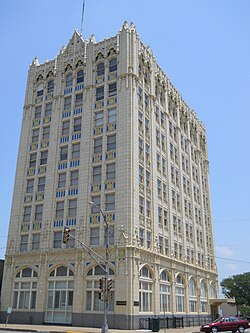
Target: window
35	135
74	178
179	292
110	171
100	69
35	245
71	242
39	90
78	100
141	205
30	186
147	178
72	208
69	80
38	112
46	132
39	213
164	292
94	236
147	151
148	204
145	290
97	174
24	243
112	89
61	180
110	202
99	93
67	103
159	215
141	236
27	214
79	76
48	109
60	209
44	157
111	142
64	153
41	184
140	174
165	218
113	65
97	201
98	118
97	146
111	116
149	241
50	87
111	235
65	127
77	124
24	295
57	243
76	150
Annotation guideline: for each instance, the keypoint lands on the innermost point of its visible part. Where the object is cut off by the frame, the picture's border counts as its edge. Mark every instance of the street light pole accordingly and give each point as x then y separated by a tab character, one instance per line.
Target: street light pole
106	301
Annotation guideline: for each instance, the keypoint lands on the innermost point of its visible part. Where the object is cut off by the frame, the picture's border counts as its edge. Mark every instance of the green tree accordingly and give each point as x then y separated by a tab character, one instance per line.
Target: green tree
238	287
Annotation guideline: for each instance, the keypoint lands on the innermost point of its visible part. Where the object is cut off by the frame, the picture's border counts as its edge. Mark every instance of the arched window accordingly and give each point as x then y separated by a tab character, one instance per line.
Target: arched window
25	285
93	302
180	293
60	295
145	290
112	65
40	90
212	292
79	76
69	80
100	69
192	296
165	289
203	296
50	87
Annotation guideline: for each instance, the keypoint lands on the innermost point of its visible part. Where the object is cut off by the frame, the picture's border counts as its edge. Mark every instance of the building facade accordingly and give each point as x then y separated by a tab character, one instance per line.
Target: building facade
103	123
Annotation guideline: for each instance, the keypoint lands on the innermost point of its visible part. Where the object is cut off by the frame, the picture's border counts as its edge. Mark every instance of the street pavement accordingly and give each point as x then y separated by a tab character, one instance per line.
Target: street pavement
70	329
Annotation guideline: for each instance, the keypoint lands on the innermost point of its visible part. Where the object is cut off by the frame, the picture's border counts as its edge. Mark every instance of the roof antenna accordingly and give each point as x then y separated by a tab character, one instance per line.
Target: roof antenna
83	4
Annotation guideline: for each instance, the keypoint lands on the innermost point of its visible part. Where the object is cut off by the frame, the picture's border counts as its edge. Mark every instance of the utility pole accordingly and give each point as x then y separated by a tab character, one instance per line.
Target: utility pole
107	284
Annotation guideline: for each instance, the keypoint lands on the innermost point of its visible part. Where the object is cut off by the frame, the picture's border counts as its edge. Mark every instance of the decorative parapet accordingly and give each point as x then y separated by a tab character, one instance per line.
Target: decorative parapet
39	196
111	101
98	130
79	87
149	223
49	97
96	187
95	218
31	171
68	91
44	143
47	120
64	139
99	105
112	76
71	221
38	100
62	166
110	217
36	226
100	79
110	155
33	146
111	127
25	227
141	187
110	185
66	114
76	136
60	193
42	169
74	163
141	219
73	191
58	223
28	198
36	122
97	158
77	111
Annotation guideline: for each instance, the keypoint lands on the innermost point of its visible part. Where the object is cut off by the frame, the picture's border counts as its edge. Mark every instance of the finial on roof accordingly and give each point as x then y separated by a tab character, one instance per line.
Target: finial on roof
92	39
35	62
125	25
132	26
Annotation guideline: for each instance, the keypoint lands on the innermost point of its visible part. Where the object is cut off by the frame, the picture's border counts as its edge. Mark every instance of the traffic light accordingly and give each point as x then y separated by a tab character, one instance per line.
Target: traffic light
109	284
102	284
66	232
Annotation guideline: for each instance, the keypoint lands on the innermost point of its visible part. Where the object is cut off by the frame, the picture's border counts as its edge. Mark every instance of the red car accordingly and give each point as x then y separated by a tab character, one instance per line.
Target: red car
233	324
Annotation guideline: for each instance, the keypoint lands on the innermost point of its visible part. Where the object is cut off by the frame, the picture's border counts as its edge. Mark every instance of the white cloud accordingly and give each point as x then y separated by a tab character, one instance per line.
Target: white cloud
232	267
224	251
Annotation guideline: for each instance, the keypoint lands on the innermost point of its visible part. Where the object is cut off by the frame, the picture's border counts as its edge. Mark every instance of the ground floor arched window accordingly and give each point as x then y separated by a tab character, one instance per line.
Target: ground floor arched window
145	290
165	305
60	295
179	293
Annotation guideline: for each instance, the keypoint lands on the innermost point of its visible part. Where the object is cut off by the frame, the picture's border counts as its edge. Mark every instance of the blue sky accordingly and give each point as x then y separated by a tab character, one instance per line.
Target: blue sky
203	46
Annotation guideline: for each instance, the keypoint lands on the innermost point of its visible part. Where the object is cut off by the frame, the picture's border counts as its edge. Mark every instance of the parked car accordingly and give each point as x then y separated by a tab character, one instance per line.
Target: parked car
233	324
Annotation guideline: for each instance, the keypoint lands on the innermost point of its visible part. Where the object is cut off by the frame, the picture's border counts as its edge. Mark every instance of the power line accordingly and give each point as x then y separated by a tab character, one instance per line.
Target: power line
235	260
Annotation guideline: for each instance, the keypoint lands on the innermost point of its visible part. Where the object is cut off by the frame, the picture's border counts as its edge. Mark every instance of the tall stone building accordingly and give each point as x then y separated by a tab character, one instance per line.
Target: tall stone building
103	123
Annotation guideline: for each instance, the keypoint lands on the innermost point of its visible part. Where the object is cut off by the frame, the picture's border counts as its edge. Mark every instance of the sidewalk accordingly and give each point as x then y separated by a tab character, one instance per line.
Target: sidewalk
70	329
